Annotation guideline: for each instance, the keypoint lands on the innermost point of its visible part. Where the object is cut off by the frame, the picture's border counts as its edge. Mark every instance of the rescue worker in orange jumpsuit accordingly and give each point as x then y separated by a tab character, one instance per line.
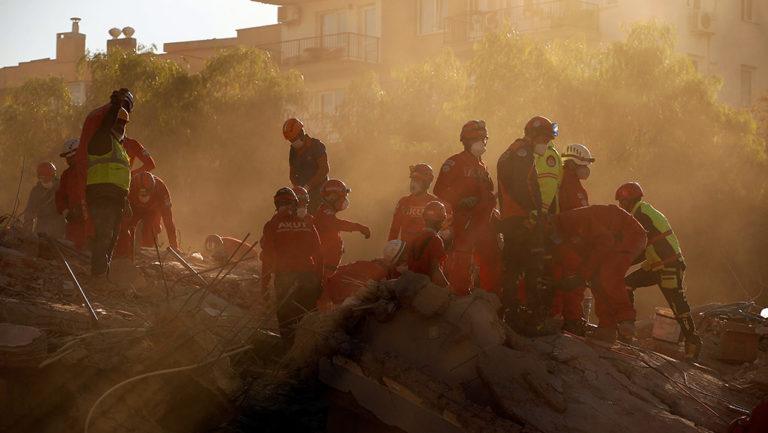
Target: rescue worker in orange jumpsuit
407	222
663	263
40	215
308	161
290	250
607	239
520	203
572	195
150	203
67	198
303	207
427	253
329	226
356	275
220	249
466	187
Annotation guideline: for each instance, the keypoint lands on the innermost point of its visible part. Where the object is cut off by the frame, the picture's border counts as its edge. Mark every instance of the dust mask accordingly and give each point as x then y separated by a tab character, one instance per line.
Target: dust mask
416	187
144	198
540	148
301	212
582	172
297	143
477	149
344	205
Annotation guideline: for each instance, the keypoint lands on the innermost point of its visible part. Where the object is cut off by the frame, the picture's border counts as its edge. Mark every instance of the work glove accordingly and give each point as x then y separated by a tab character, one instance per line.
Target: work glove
468	202
365	231
569	284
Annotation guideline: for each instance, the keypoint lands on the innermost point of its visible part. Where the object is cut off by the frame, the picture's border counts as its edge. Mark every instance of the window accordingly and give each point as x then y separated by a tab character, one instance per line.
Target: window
746	85
431	15
332	24
746	10
330	102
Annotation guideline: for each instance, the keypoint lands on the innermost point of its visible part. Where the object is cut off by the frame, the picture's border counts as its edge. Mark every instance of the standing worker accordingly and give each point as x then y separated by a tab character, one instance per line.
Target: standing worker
607	239
308	161
329	226
290	250
40	215
465	185
549	166
107	182
664	264
576	161
150	203
427	253
68	199
407	222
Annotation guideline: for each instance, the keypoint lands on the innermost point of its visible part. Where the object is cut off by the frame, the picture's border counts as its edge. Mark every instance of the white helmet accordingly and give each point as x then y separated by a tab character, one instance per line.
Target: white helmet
70	147
579	154
394	250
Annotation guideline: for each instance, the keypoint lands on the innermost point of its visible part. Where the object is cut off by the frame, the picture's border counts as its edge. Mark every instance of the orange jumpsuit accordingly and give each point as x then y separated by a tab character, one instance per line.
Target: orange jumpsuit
407	222
150	213
329	227
352	277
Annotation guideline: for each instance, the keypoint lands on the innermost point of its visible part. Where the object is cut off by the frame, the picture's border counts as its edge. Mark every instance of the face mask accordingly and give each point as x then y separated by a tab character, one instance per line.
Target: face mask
582	172
297	143
477	149
301	212
416	187
47	184
144	198
402	268
540	149
344	205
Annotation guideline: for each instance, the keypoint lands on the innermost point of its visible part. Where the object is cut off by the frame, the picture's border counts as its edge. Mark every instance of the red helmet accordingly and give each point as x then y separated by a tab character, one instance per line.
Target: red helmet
422	171
143	182
629	191
292	128
435	211
473	130
541	125
334	186
212	242
285	196
302	195
46	170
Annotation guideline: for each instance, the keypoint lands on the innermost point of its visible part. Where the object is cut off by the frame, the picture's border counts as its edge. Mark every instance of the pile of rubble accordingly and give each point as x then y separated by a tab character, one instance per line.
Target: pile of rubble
177	349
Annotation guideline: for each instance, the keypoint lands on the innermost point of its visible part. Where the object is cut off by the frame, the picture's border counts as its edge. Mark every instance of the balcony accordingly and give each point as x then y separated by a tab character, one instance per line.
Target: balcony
353	47
538	17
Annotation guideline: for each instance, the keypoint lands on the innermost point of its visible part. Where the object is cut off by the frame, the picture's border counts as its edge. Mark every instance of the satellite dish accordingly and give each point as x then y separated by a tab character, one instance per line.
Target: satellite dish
115	32
128	31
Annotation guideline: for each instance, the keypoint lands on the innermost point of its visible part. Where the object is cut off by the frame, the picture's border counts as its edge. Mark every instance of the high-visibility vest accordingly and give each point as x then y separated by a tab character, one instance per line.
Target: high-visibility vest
113	167
550	169
659	232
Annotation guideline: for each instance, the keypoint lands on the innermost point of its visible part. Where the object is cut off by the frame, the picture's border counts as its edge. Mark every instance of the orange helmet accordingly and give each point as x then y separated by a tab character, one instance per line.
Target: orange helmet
46	170
473	130
143	182
285	196
422	171
212	242
629	191
302	195
541	125
334	186
292	128
435	211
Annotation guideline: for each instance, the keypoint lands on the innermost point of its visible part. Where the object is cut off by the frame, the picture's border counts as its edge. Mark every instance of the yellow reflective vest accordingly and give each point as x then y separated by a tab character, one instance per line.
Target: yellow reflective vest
113	167
550	169
663	247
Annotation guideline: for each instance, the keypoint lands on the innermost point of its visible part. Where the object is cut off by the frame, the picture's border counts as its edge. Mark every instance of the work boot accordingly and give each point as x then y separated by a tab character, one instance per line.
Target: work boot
627	331
574	326
604	334
692	348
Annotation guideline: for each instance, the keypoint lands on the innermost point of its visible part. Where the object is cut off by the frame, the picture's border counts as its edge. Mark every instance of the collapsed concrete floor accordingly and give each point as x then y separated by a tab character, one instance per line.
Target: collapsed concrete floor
172	354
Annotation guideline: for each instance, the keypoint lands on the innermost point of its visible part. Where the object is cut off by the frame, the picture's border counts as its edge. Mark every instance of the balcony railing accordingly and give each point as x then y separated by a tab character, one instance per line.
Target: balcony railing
535	17
339	46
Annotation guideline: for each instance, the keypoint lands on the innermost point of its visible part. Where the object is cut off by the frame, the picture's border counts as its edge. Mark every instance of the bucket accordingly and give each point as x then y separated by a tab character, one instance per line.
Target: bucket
665	327
738	342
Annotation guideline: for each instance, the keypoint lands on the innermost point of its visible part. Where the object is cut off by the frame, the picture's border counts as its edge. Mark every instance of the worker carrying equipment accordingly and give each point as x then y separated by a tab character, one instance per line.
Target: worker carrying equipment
335	199
427	253
308	161
663	262
465	186
291	252
407	222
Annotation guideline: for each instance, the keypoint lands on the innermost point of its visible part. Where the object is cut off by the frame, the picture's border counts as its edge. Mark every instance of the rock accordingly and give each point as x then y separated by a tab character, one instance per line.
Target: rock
431	300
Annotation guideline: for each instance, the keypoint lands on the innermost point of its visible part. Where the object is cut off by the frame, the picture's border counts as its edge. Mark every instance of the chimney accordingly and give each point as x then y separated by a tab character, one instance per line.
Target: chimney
70	46
128	43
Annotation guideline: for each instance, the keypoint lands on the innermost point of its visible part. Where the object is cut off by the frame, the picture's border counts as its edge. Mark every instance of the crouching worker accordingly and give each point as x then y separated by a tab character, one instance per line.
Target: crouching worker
290	250
607	239
220	249
427	254
350	278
